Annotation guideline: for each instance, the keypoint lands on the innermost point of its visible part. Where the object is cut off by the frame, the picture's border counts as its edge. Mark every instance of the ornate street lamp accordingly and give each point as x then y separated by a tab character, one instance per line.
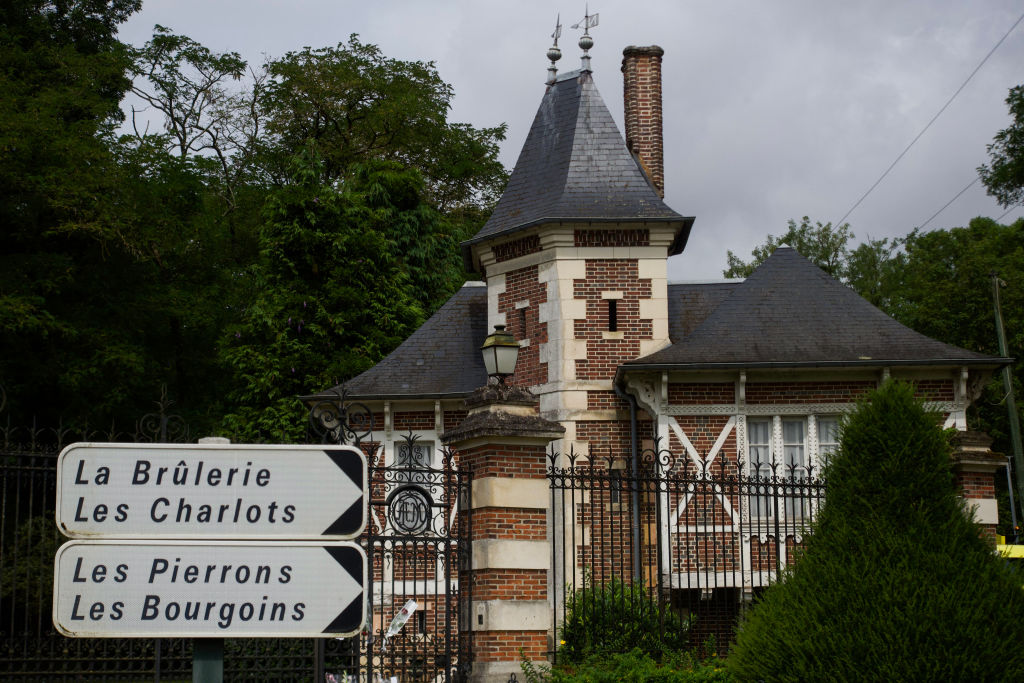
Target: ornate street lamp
500	351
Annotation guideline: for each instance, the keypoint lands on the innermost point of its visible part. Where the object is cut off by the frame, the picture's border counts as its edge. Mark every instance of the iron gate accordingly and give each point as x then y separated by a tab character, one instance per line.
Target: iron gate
671	533
417	542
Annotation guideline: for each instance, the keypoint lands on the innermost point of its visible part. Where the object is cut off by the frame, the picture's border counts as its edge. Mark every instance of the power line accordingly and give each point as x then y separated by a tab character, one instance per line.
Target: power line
955	197
1012	208
929	125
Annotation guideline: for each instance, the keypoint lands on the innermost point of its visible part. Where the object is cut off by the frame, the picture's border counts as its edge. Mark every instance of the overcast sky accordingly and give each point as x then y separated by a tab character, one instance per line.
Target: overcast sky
773	110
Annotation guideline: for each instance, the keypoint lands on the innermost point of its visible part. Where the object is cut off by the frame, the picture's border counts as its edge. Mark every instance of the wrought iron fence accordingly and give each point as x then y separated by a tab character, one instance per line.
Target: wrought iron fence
30	648
685	541
416	543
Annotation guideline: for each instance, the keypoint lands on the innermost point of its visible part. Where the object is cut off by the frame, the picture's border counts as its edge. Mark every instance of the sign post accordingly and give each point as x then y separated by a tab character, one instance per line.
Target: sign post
210	541
209	589
211	491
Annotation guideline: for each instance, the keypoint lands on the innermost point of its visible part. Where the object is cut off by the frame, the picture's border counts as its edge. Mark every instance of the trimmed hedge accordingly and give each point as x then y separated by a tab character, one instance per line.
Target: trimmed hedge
632	667
895	584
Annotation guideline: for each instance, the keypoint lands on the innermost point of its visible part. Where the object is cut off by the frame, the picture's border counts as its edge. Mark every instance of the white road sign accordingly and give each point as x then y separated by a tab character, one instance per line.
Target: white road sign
202	589
107	490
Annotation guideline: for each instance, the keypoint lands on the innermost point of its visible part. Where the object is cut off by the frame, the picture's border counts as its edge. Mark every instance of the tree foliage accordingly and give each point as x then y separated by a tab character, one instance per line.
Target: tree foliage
1004	177
124	260
353	104
940	284
333	293
825	246
896	582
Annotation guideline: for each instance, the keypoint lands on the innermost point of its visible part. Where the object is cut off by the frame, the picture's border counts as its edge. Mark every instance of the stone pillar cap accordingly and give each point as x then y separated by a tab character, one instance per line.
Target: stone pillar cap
501	410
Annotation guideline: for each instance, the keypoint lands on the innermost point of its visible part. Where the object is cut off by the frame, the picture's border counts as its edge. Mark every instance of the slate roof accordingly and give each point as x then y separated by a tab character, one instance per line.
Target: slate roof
575	166
441	359
790	313
690	303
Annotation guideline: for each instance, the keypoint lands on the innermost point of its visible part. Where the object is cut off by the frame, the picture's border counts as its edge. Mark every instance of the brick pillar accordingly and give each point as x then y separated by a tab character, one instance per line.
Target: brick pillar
975	467
503	442
641	75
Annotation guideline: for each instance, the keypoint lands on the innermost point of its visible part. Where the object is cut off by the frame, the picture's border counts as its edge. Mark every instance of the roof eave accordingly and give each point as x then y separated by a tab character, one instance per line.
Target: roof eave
677	246
331	396
679	243
992	363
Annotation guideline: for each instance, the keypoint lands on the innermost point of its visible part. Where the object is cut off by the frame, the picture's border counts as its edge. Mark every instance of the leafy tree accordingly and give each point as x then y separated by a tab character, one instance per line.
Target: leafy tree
205	120
1005	177
896	582
331	294
353	104
62	74
941	286
821	243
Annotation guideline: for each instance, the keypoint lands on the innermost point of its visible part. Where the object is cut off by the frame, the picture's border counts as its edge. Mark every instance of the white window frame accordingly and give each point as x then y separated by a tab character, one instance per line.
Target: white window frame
760	466
826	447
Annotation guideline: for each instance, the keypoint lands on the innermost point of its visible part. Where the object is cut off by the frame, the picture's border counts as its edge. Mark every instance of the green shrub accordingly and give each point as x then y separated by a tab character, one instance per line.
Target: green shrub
634	666
895	583
617	617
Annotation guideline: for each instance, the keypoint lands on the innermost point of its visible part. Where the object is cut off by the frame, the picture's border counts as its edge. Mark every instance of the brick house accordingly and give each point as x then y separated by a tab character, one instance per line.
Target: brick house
574	264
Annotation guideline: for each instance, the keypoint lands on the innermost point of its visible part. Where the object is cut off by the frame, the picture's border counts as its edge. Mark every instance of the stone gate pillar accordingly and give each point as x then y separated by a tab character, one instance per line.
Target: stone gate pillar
503	442
975	467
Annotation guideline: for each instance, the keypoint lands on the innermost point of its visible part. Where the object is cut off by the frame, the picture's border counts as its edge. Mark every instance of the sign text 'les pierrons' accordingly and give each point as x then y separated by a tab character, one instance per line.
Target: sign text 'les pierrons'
210	490
253	589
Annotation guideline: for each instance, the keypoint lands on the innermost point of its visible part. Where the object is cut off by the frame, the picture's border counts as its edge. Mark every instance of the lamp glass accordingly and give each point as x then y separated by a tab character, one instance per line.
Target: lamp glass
500	352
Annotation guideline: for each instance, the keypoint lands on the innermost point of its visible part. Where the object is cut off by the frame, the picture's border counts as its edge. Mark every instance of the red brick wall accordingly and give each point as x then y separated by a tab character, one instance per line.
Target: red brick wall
976	485
510	584
703	431
611	238
605	355
517	462
701	393
420	420
807	392
605	400
706	552
521	524
503	646
453	418
610	437
934	389
523	285
519	247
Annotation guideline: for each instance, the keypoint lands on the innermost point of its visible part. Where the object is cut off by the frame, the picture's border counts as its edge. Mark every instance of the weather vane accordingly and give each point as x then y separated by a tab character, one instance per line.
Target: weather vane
554	54
588	22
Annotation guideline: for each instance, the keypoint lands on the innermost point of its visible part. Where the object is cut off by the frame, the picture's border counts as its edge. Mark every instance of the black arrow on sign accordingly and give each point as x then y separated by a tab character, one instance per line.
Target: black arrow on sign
351	618
351	519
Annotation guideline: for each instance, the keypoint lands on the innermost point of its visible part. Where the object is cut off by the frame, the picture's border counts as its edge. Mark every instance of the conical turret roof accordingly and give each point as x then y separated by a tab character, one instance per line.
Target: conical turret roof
575	166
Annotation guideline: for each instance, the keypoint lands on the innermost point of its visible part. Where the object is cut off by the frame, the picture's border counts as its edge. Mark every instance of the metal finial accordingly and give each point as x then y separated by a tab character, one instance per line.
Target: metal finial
554	54
588	22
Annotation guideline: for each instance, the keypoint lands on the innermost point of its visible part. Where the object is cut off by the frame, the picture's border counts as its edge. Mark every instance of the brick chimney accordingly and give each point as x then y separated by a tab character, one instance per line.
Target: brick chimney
641	74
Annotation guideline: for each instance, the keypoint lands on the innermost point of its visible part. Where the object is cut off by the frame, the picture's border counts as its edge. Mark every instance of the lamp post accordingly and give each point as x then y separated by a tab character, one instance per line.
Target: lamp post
500	351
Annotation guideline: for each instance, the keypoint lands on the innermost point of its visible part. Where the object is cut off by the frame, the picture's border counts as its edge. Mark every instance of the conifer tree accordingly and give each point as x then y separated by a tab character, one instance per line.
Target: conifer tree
896	582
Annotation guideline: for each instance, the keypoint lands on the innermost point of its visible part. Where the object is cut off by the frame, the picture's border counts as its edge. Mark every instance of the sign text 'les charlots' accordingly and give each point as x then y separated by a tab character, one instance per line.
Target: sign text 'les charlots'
147	491
255	589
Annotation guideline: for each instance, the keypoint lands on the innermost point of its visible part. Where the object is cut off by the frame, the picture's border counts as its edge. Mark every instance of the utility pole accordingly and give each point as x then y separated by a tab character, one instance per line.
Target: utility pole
1011	404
